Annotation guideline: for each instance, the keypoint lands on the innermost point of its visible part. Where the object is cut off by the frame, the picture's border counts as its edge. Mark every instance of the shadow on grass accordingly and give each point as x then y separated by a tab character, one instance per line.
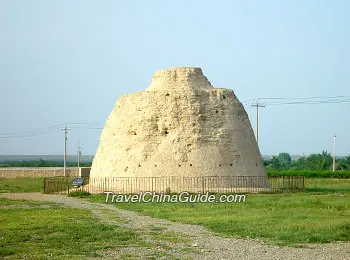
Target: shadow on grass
326	190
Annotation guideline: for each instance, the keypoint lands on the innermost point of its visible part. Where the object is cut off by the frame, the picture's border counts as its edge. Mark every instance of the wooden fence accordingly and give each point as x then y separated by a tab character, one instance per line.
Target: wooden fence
215	184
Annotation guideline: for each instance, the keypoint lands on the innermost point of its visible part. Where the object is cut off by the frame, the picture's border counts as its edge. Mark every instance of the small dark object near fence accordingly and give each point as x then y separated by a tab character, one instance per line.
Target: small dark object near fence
61	185
78	182
215	184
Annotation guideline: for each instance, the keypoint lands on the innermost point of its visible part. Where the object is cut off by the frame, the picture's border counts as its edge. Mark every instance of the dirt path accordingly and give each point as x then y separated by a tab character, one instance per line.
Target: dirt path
187	241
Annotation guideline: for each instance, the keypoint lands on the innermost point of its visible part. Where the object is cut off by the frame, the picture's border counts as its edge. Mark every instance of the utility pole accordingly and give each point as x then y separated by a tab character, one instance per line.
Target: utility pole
334	140
79	153
65	150
257	105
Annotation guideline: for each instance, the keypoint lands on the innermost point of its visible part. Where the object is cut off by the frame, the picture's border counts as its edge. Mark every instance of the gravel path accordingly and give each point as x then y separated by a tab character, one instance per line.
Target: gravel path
190	241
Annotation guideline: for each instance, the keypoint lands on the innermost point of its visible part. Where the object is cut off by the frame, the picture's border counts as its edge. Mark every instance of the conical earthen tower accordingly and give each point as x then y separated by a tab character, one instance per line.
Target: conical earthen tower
179	126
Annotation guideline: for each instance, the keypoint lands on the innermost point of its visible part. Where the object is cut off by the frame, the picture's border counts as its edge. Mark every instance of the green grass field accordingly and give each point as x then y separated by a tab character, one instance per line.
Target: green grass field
17	185
319	215
49	231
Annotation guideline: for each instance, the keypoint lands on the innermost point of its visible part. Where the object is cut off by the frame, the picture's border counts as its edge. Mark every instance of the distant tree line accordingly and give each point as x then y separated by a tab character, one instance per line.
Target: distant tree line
318	165
315	162
42	163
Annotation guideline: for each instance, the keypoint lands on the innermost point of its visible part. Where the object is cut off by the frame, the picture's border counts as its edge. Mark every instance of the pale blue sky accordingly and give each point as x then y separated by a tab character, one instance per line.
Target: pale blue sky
69	61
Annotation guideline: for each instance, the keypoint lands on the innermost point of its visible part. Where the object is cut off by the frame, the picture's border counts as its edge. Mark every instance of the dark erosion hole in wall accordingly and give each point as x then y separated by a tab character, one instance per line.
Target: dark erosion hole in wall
167	94
131	132
223	96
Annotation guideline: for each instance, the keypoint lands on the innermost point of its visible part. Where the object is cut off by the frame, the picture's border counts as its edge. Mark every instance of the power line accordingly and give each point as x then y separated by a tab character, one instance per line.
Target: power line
318	97
292	101
45	131
31	134
246	102
53	127
268	101
310	102
48	128
303	100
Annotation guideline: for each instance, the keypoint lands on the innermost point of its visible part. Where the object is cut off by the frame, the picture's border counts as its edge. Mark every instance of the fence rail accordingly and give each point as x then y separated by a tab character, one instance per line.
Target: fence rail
216	184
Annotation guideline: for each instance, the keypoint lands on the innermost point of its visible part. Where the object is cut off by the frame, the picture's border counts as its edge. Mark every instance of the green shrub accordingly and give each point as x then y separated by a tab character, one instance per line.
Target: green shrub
345	174
79	193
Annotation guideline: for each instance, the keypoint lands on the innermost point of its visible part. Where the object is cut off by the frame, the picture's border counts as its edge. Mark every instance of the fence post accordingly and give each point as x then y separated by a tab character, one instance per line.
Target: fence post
203	180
